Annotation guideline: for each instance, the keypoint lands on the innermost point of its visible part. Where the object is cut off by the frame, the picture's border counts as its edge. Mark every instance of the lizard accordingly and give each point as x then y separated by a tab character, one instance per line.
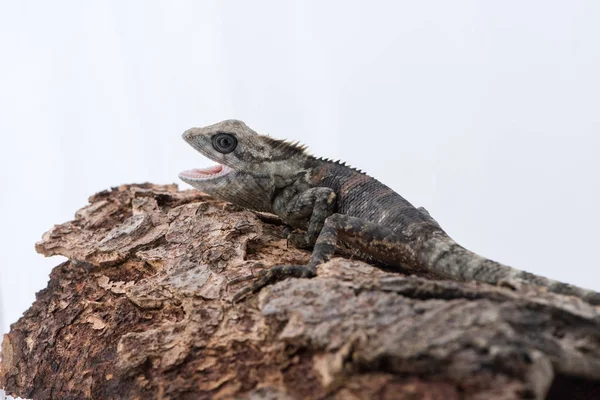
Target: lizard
331	202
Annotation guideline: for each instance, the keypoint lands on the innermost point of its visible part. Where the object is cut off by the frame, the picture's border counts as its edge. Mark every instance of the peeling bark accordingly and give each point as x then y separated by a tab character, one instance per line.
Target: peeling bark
141	310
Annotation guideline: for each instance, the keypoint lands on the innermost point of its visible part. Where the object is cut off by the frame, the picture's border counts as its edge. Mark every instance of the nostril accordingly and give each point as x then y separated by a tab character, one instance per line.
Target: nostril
188	134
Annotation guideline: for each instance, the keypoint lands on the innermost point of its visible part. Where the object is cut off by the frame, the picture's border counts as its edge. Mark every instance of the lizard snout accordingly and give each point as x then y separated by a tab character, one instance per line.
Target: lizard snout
189	134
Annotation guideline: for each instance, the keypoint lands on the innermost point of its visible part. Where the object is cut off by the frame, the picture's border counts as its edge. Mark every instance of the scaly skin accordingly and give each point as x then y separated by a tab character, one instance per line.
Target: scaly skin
333	202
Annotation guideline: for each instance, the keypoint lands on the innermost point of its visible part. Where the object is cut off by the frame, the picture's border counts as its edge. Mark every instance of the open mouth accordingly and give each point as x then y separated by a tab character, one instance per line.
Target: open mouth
205	173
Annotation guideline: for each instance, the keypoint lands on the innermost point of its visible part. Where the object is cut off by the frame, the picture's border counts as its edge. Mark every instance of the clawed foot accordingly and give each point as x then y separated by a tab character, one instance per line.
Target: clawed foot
296	239
299	241
271	275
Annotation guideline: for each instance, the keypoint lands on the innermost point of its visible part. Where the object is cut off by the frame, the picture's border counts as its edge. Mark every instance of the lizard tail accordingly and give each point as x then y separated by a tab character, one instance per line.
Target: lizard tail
447	259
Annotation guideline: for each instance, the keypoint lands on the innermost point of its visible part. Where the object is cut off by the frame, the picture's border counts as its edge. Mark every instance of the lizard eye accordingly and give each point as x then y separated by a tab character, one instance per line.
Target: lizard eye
224	142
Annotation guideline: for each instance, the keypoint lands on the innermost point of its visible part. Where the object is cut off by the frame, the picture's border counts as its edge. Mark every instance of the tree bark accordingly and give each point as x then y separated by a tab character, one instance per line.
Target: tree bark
142	310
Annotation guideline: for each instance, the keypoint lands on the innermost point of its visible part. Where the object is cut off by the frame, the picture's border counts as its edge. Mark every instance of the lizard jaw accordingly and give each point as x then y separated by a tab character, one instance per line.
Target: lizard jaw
203	174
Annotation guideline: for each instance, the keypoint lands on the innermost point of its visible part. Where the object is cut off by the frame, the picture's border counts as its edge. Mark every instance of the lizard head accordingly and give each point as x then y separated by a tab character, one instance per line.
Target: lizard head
246	161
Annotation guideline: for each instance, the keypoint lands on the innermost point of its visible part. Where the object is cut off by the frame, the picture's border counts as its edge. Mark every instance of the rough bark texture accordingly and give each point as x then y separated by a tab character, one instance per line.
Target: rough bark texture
141	310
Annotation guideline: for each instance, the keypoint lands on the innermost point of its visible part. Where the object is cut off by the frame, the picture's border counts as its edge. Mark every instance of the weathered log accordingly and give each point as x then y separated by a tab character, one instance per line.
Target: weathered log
141	310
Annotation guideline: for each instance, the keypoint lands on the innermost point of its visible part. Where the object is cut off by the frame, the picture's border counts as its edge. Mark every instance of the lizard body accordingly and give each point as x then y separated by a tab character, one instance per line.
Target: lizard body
333	202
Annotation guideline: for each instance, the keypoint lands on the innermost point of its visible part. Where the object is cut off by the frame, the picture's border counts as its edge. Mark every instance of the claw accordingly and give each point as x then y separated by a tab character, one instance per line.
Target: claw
240	294
249	277
240	279
269	276
287	231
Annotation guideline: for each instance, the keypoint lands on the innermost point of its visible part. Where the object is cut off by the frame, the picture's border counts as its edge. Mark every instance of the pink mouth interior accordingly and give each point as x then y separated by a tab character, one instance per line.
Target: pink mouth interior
200	173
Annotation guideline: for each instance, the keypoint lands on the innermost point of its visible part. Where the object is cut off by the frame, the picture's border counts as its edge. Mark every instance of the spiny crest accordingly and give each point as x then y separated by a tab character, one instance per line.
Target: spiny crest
286	147
341	164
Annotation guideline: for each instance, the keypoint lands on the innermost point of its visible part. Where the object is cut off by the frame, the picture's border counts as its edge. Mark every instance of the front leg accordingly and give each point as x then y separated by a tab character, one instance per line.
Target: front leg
315	204
366	236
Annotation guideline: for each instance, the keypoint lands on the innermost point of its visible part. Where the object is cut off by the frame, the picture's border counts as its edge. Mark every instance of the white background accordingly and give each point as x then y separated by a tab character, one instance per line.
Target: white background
486	113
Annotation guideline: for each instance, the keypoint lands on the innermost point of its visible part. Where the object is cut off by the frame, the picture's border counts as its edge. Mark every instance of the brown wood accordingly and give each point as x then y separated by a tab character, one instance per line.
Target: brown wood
141	310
